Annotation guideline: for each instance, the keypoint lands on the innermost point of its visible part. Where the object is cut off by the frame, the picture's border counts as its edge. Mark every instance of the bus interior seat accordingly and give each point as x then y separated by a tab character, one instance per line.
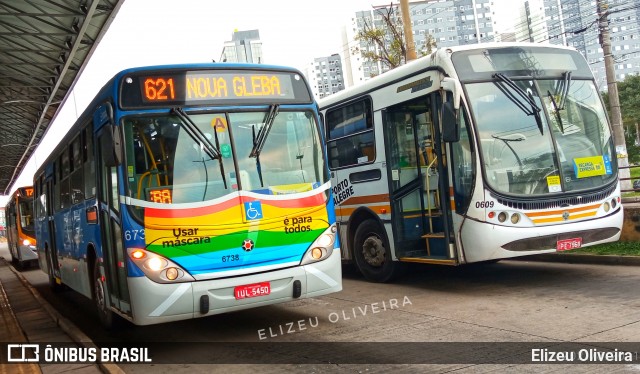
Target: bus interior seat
348	153
369	152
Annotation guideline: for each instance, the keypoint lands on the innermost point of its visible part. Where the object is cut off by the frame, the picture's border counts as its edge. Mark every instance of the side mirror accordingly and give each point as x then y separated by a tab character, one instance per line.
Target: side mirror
450	128
111	145
453	85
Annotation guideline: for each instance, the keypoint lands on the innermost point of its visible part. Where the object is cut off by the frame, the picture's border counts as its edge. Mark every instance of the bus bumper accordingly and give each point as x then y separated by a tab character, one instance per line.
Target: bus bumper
157	303
27	253
538	240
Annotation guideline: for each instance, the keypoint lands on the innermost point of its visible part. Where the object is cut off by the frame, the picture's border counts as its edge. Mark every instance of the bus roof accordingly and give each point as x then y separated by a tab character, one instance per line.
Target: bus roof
437	60
110	89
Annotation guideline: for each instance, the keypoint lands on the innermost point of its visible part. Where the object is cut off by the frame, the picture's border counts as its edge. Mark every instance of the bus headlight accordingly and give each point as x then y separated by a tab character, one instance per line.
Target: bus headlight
606	206
515	218
26	242
155	264
322	247
158	268
502	217
172	273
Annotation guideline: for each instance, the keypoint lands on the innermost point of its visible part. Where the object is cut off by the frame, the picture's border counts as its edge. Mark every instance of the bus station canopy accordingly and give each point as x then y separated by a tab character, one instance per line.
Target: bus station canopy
44	46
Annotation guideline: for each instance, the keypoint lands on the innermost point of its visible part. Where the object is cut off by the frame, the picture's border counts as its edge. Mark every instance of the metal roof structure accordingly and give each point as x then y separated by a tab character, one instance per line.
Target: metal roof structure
44	46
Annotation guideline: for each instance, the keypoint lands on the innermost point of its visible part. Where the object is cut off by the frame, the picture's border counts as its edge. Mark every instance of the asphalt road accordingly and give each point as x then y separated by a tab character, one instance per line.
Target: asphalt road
529	304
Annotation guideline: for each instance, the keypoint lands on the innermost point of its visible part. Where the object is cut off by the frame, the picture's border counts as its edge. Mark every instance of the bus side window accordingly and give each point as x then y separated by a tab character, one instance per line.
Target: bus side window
89	164
65	170
350	134
77	190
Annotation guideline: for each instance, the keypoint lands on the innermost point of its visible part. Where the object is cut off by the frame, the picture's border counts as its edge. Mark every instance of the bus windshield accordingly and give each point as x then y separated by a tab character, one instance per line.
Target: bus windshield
26	216
186	158
567	148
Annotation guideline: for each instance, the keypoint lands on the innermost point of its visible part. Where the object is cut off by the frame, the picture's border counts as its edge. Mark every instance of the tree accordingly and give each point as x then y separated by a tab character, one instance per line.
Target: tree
387	39
629	94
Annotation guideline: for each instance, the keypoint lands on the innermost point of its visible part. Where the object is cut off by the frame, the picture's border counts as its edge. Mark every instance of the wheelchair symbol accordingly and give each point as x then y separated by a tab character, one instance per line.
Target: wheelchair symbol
253	210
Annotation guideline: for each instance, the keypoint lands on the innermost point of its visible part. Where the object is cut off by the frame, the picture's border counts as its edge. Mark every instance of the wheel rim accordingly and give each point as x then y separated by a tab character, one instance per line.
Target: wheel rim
100	298
373	250
52	276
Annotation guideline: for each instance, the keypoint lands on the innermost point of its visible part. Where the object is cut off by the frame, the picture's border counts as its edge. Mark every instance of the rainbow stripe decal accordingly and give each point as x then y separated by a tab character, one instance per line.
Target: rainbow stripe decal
221	238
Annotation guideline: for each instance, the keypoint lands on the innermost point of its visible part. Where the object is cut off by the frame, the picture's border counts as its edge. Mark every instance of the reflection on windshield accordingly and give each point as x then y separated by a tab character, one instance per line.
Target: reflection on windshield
167	163
518	158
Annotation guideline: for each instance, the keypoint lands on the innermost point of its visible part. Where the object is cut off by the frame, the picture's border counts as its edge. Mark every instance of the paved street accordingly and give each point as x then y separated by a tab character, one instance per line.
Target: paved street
511	301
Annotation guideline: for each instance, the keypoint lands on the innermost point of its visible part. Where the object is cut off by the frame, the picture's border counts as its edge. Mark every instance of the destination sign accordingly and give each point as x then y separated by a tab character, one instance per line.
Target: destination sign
213	87
26	192
160	195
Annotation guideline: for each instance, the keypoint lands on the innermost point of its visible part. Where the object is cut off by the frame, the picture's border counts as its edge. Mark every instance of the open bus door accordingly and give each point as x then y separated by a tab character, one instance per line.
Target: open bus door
110	279
418	182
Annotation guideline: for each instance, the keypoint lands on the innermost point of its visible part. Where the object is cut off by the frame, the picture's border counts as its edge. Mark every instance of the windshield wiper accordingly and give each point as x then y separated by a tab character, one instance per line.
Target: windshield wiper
196	134
521	99
563	90
556	111
260	139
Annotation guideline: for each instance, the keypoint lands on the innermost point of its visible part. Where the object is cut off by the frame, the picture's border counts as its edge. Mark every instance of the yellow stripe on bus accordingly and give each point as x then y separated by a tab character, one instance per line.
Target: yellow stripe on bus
561	219
553	212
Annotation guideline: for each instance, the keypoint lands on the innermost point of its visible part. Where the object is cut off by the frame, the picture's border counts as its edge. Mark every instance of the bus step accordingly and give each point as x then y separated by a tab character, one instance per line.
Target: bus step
429	260
433	235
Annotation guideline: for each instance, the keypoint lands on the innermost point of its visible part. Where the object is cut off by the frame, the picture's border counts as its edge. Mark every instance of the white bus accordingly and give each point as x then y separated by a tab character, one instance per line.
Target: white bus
473	153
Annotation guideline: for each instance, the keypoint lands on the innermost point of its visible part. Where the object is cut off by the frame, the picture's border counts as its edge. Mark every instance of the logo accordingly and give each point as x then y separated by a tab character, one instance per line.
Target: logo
565	215
23	352
248	245
253	210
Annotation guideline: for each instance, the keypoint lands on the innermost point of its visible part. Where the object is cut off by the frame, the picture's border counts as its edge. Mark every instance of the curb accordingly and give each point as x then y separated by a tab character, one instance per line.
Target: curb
67	326
582	259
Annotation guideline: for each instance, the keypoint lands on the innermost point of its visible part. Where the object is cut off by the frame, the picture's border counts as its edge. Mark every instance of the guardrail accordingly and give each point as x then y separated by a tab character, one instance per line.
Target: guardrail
635	186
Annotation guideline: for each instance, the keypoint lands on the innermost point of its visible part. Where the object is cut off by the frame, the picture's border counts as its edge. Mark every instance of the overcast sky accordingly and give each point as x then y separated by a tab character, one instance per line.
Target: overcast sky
152	32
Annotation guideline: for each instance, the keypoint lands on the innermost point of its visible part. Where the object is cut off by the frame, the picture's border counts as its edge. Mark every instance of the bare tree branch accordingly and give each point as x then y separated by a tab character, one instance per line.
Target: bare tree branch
387	39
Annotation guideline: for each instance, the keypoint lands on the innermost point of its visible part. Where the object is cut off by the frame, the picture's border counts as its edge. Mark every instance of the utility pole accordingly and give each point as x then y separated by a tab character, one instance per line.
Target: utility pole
612	88
408	30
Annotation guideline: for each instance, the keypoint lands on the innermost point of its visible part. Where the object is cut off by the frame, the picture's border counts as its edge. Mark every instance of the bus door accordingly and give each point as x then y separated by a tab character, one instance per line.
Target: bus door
113	255
417	174
52	250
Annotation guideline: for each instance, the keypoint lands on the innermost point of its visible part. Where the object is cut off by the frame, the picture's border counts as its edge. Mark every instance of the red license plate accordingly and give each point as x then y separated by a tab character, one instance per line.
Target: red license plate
252	290
568	244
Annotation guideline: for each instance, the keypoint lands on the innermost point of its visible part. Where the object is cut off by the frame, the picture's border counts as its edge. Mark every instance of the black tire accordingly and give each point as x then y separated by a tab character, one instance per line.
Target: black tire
53	285
100	297
372	253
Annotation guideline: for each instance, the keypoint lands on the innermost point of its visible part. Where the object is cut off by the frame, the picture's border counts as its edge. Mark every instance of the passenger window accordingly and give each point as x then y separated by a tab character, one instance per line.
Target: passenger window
350	134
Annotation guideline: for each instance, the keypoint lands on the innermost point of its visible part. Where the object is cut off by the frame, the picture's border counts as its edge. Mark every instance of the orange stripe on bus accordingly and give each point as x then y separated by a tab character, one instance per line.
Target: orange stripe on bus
560	219
369	199
346	212
572	210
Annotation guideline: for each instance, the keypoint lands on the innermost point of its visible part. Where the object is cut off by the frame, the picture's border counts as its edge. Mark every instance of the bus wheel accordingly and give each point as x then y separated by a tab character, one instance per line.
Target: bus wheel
14	261
55	287
372	253
100	298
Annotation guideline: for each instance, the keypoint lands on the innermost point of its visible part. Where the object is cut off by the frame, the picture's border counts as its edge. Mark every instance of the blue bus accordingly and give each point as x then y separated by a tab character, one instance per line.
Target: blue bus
190	190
